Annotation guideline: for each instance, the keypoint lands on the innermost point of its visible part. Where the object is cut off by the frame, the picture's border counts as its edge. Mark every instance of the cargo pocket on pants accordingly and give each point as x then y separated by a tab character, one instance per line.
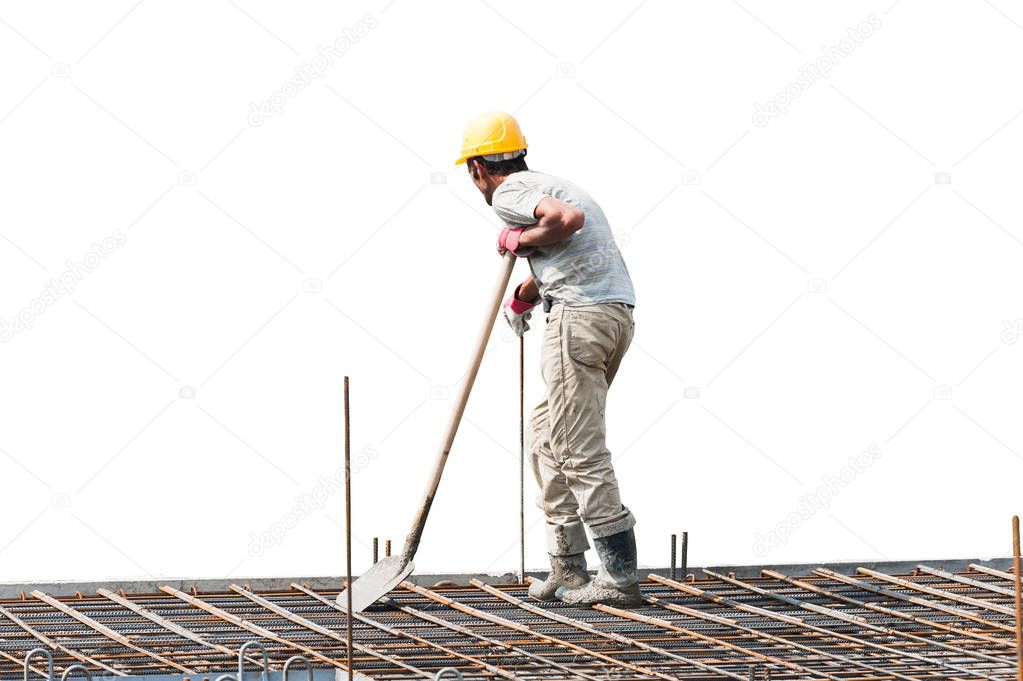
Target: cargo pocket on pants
590	338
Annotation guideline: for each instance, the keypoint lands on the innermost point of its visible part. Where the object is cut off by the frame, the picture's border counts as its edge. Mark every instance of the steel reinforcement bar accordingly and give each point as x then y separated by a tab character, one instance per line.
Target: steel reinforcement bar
930	625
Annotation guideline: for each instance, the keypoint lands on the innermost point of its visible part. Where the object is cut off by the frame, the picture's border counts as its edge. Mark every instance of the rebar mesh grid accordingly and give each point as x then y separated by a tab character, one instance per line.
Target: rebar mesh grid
931	624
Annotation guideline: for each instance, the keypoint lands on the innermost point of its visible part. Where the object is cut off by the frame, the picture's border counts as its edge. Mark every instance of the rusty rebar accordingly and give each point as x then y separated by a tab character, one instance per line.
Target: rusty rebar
915	600
791	620
952	577
313	626
932	640
348	533
609	635
106	631
801	627
673	556
1019	597
930	591
856	620
522	460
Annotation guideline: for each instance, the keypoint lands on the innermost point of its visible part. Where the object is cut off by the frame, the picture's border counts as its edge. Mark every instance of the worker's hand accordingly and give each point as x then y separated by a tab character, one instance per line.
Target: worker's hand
517	313
508	240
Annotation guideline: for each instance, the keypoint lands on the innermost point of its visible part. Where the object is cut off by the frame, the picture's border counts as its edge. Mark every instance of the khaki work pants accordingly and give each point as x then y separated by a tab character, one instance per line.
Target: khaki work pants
582	349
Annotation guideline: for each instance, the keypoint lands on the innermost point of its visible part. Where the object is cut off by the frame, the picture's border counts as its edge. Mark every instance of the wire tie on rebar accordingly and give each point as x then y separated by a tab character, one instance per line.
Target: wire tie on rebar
447	671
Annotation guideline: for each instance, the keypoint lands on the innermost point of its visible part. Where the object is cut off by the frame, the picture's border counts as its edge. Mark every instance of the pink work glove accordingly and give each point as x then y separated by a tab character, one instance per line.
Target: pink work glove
508	240
517	313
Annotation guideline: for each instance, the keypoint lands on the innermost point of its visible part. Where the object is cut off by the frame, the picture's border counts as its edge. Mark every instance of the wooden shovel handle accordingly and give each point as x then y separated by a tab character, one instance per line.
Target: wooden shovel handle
494	306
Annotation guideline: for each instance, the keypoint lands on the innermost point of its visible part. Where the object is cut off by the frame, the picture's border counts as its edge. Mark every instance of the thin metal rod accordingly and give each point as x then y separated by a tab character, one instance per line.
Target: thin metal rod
309	624
106	631
249	626
522	460
466	631
685	555
166	623
41	671
348	532
757	633
50	643
529	631
991	571
952	577
966	600
851	619
359	646
395	631
1019	597
817	589
721	642
908	598
790	619
674	554
376	550
610	635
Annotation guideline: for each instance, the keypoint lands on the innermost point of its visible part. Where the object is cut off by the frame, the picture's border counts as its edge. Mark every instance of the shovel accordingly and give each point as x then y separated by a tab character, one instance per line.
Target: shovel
391	571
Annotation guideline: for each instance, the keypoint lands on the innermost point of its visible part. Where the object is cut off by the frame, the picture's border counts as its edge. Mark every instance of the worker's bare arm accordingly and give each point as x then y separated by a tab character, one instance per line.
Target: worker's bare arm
528	291
556	221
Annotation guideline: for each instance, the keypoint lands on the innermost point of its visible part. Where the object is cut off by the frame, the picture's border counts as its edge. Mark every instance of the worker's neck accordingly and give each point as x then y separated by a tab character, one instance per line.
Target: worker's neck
492	183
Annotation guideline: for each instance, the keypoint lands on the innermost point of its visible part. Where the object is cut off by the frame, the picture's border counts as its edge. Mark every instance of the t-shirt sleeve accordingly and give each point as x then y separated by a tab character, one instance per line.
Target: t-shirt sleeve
515	203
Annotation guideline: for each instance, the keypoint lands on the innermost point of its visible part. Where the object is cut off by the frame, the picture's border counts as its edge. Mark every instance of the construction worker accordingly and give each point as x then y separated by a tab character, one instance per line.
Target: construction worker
579	276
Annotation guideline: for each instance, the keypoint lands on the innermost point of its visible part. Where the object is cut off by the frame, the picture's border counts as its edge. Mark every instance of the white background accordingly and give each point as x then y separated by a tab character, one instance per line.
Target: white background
808	279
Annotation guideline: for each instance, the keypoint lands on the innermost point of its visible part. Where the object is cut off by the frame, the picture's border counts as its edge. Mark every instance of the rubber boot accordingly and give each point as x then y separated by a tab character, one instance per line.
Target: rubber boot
566	571
616	583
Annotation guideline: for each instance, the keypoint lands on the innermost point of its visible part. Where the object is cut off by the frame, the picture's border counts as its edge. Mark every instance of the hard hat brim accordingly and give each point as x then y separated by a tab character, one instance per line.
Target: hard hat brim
495	149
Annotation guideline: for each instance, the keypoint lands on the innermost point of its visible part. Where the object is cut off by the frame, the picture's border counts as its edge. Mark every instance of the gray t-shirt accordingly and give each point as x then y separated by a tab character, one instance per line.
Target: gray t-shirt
585	268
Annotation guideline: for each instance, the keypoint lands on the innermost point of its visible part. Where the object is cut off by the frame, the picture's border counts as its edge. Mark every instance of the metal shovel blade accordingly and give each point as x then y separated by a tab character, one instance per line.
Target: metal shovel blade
376	582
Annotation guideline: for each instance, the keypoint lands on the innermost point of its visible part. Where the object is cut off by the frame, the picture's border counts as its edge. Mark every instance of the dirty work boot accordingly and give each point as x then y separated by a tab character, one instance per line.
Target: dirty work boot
566	571
616	583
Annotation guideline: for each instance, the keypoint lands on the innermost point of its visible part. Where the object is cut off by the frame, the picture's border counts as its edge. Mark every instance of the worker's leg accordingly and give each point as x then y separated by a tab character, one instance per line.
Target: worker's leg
566	538
582	351
588	345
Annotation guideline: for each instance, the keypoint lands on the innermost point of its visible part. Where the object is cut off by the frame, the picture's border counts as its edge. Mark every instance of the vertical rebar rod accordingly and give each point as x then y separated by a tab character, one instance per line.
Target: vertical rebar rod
376	550
387	548
522	460
673	554
1019	598
685	554
348	531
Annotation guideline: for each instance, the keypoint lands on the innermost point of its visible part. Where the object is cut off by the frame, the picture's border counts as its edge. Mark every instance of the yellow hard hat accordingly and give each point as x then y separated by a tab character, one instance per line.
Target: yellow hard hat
494	132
